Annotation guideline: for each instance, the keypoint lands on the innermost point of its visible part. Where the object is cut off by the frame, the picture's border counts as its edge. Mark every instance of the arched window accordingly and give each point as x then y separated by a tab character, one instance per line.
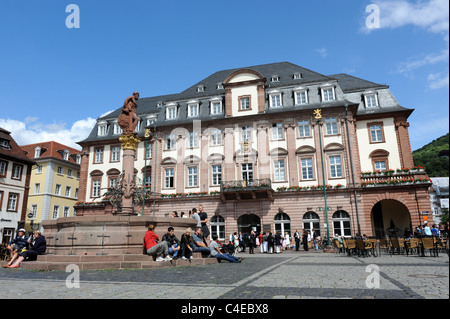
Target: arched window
341	223
311	221
282	223
218	226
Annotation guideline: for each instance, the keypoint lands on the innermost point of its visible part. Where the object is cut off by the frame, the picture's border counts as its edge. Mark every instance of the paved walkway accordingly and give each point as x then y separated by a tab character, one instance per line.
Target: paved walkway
289	275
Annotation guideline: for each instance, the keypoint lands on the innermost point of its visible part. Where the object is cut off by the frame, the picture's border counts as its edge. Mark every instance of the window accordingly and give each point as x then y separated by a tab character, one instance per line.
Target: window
102	129
301	97
303	129
55	212
171	113
216	175
98	155
138	125
279	171
33	211
169	178
277	131
68	191
170	142
193	139
275	78
192	176
3	166
13	202
38	169
60	170
216	107
37	188
66	211
58	189
244	103
117	129
380	165
335	166
327	94
201	88
78	159
275	100
216	137
371	100
76	192
218	226
246	133
37	152
341	223
96	183
5	144
193	110
331	126
297	76
148	151
247	172
17	171
66	155
69	173
115	153
307	168
282	223
311	221
376	133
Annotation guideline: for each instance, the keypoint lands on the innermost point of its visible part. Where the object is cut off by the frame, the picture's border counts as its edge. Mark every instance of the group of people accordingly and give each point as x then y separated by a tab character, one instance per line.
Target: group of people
426	231
24	247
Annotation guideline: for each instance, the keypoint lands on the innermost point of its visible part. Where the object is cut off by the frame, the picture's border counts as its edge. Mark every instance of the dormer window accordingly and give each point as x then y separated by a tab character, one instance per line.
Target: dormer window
117	129
66	154
151	119
219	86
216	106
159	104
371	98
4	144
193	110
328	93
78	159
171	112
37	152
301	96
297	76
275	99
138	125
200	88
275	78
102	129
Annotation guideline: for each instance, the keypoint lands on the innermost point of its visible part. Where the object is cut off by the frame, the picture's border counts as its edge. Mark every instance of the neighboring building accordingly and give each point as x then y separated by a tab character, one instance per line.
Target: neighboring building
439	192
15	170
54	182
249	140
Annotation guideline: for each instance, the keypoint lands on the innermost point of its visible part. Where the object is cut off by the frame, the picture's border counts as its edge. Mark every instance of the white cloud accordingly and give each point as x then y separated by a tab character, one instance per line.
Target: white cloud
418	62
432	15
322	51
438	80
25	134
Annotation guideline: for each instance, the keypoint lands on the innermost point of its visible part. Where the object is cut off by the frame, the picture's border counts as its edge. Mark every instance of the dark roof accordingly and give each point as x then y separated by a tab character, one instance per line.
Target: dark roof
350	83
14	152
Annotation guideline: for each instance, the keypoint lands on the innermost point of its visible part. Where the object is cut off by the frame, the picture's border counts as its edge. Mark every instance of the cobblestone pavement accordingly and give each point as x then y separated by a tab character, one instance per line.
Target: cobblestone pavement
289	275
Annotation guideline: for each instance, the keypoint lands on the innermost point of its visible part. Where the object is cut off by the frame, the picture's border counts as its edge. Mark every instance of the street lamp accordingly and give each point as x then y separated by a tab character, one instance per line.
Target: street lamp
146	135
151	133
318	117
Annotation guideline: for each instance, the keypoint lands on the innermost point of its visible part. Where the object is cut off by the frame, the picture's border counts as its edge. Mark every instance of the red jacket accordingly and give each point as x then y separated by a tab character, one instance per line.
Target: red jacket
150	239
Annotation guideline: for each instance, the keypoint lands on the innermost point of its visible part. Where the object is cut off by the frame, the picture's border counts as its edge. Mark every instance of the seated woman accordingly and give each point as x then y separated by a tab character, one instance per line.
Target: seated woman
216	252
153	248
38	248
186	245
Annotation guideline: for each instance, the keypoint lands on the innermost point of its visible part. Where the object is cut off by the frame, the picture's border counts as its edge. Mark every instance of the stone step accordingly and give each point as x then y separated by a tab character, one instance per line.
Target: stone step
52	262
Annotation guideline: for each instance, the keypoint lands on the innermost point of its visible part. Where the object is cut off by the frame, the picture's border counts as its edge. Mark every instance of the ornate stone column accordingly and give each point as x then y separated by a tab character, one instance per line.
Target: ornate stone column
129	144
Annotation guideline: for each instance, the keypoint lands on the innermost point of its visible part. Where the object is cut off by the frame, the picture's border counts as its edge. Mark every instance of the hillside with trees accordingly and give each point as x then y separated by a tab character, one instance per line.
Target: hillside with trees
434	157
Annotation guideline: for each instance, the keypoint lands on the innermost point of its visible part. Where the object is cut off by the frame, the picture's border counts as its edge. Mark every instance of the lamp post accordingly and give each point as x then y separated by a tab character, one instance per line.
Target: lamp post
146	135
318	116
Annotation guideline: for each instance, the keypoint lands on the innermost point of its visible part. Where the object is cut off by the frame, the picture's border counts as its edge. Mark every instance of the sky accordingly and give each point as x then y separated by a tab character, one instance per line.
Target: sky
56	80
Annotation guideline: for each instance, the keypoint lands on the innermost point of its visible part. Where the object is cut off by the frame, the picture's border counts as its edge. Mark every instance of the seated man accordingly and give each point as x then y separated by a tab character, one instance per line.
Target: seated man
16	245
173	242
199	245
38	248
153	248
216	252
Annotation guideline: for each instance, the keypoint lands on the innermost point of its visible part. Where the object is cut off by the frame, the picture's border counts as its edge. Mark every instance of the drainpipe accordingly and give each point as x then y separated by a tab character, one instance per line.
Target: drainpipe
352	169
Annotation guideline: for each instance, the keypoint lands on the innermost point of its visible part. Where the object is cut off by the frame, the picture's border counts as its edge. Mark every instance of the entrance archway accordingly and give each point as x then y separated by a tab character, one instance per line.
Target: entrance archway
248	222
390	217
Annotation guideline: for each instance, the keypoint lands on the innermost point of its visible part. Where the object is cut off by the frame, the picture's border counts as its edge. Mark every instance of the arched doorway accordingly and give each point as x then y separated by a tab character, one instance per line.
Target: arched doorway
282	223
249	222
311	220
390	217
341	223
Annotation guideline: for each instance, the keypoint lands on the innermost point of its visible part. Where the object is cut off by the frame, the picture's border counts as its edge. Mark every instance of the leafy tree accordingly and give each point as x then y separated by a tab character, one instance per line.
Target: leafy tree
434	156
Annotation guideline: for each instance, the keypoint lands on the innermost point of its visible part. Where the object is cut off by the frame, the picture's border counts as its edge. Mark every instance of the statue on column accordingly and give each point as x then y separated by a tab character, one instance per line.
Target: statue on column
128	120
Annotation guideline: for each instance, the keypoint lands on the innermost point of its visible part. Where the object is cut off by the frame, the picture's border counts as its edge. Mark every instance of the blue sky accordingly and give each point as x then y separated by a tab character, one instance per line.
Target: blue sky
55	81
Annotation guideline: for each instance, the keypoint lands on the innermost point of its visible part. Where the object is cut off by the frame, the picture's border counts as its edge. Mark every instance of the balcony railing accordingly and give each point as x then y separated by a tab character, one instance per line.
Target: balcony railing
391	178
256	184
